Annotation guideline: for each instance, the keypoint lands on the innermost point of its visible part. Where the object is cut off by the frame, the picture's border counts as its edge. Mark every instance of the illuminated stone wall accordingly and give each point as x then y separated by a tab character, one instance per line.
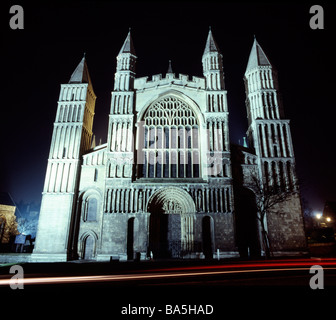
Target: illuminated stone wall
162	184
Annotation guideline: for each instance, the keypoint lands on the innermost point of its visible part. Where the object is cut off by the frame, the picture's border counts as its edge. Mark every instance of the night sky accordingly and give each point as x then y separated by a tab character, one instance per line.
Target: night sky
36	60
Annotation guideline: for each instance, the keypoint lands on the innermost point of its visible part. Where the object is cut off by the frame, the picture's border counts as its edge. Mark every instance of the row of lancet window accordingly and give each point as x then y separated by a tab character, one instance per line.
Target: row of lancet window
211	63
279	173
121	104
216	103
126	200
264	106
170	164
213	81
69	113
216	135
65	142
70	93
60	177
121	135
212	199
260	79
124	63
274	140
181	137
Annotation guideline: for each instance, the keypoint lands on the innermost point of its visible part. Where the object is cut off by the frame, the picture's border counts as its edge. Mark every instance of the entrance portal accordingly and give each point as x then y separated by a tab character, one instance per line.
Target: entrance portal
89	248
170	234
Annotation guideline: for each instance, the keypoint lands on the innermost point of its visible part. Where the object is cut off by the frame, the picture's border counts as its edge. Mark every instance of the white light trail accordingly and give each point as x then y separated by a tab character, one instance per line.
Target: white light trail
129	277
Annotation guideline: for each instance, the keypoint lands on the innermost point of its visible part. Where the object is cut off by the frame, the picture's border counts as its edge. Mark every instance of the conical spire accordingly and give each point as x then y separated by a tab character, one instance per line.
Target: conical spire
257	57
244	142
170	69
211	45
93	143
81	73
128	45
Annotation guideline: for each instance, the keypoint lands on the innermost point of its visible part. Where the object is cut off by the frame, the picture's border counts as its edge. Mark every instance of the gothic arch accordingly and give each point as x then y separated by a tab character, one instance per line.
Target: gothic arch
172	213
93	195
177	94
165	197
88	245
169	140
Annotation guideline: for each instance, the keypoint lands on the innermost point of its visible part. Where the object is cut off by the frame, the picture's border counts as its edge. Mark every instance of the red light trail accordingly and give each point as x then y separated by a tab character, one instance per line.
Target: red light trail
178	272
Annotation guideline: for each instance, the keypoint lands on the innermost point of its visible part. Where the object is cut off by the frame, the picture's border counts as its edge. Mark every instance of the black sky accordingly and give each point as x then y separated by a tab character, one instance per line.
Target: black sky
36	60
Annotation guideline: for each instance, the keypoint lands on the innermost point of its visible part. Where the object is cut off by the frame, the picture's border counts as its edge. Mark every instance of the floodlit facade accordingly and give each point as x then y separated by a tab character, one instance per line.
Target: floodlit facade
167	184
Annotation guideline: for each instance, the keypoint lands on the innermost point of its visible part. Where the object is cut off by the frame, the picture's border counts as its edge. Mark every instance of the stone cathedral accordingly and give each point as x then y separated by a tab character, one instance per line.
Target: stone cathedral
168	183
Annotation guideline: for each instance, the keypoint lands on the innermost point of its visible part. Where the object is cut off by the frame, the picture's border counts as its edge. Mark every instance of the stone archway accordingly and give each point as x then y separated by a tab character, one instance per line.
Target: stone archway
171	227
87	245
89	248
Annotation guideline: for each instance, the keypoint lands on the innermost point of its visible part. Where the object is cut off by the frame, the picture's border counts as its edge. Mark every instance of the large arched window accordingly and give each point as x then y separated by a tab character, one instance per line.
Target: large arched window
90	207
170	141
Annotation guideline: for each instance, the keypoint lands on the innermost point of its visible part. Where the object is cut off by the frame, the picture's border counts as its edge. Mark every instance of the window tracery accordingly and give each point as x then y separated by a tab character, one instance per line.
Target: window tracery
171	141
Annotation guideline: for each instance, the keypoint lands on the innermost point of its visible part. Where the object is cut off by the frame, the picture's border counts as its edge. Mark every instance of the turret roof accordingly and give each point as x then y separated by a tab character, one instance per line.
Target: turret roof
128	45
211	45
257	57
81	73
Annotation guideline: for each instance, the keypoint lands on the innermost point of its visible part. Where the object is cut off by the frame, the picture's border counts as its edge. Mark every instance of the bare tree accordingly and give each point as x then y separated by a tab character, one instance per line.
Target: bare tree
27	226
267	197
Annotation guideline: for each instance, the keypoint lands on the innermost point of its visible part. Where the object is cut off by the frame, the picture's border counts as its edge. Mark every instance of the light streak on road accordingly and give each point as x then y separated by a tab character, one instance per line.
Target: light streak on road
173	273
258	264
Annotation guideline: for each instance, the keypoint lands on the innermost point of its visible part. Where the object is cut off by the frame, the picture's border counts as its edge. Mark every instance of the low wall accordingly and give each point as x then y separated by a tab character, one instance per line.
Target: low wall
14	257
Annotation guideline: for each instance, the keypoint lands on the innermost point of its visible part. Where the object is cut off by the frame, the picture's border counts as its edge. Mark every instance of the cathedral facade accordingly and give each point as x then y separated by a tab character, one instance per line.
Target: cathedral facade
168	183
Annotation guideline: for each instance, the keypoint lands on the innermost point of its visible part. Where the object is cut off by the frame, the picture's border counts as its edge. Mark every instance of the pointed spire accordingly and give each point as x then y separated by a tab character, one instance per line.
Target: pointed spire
128	45
170	69
211	45
93	143
81	73
257	56
244	142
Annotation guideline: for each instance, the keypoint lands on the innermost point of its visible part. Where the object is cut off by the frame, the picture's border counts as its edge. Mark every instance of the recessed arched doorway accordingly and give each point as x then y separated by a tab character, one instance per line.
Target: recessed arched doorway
89	244
171	228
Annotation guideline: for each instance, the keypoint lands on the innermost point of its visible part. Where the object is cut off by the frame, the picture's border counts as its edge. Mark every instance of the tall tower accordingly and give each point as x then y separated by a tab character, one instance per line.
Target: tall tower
217	115
218	170
70	139
121	118
269	133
